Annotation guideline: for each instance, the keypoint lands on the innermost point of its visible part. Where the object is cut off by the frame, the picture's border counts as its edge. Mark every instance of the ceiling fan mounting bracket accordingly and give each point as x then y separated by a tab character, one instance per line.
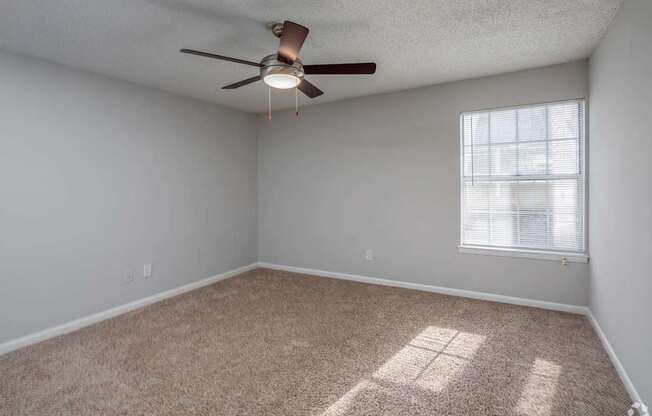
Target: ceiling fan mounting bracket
277	29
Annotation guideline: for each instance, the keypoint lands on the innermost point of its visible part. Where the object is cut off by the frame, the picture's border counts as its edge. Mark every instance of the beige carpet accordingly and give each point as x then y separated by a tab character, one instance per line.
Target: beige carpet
275	343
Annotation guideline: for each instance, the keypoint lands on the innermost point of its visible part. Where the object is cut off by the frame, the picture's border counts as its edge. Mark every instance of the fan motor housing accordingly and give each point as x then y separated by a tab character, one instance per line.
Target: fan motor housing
271	65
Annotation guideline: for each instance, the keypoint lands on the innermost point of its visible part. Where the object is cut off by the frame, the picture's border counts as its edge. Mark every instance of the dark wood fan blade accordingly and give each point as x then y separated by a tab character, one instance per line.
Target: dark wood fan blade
291	41
309	89
241	83
224	58
340	69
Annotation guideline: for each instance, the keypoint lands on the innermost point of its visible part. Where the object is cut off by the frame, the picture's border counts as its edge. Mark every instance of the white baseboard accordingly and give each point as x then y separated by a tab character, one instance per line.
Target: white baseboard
614	359
581	310
118	310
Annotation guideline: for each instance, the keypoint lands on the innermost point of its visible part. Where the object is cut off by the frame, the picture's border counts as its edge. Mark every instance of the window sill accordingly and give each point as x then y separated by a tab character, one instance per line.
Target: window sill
530	254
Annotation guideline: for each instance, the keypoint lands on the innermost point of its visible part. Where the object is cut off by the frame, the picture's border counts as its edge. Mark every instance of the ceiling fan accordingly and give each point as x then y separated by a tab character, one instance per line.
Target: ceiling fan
284	69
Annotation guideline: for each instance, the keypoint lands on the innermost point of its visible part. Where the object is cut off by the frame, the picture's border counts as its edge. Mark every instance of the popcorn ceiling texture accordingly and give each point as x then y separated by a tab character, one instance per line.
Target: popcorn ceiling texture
415	43
277	343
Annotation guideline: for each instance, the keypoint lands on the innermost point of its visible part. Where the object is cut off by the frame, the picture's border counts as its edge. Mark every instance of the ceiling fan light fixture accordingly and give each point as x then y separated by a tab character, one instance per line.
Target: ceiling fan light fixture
281	75
282	81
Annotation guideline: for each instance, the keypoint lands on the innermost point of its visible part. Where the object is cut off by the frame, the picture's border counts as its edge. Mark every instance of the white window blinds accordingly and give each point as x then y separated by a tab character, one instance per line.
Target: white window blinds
523	177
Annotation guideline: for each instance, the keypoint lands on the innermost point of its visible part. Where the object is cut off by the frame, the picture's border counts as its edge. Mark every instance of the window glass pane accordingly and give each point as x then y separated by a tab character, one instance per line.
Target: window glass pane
503	160
476	196
532	224
532	195
480	161
503	126
564	157
564	231
564	121
532	158
502	228
476	228
478	125
501	195
531	123
466	130
467	161
563	195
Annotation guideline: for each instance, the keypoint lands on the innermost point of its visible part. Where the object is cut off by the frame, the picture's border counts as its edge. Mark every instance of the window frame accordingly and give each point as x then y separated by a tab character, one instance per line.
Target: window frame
540	254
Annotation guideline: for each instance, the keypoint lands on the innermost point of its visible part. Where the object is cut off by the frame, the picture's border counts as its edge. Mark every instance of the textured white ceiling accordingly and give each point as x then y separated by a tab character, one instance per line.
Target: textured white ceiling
414	42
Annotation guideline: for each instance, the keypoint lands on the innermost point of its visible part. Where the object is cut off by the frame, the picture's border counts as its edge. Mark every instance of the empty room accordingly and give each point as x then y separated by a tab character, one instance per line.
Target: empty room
325	208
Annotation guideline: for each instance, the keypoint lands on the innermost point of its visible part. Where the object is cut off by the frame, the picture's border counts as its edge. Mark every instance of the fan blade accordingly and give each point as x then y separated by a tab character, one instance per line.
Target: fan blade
309	89
224	58
292	40
241	83
340	69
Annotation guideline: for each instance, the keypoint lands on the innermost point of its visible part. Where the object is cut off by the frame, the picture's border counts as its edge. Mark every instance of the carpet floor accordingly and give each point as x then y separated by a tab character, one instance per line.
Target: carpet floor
277	343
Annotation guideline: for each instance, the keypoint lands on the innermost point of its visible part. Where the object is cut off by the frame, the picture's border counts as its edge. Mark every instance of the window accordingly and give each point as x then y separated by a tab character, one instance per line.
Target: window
522	181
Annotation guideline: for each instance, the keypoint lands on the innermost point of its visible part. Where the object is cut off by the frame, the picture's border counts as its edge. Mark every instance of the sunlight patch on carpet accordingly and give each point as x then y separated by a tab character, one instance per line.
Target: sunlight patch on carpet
540	389
432	359
428	362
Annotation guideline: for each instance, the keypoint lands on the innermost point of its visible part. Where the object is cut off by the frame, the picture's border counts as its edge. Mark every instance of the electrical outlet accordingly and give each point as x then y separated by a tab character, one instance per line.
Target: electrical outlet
369	254
147	270
129	277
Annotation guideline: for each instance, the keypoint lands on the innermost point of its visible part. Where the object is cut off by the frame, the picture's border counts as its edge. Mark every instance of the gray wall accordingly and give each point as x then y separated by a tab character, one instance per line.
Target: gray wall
621	189
99	176
382	172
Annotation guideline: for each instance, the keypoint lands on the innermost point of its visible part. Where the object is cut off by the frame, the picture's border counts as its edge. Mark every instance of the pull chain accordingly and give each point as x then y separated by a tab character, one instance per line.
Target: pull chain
269	103
296	102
